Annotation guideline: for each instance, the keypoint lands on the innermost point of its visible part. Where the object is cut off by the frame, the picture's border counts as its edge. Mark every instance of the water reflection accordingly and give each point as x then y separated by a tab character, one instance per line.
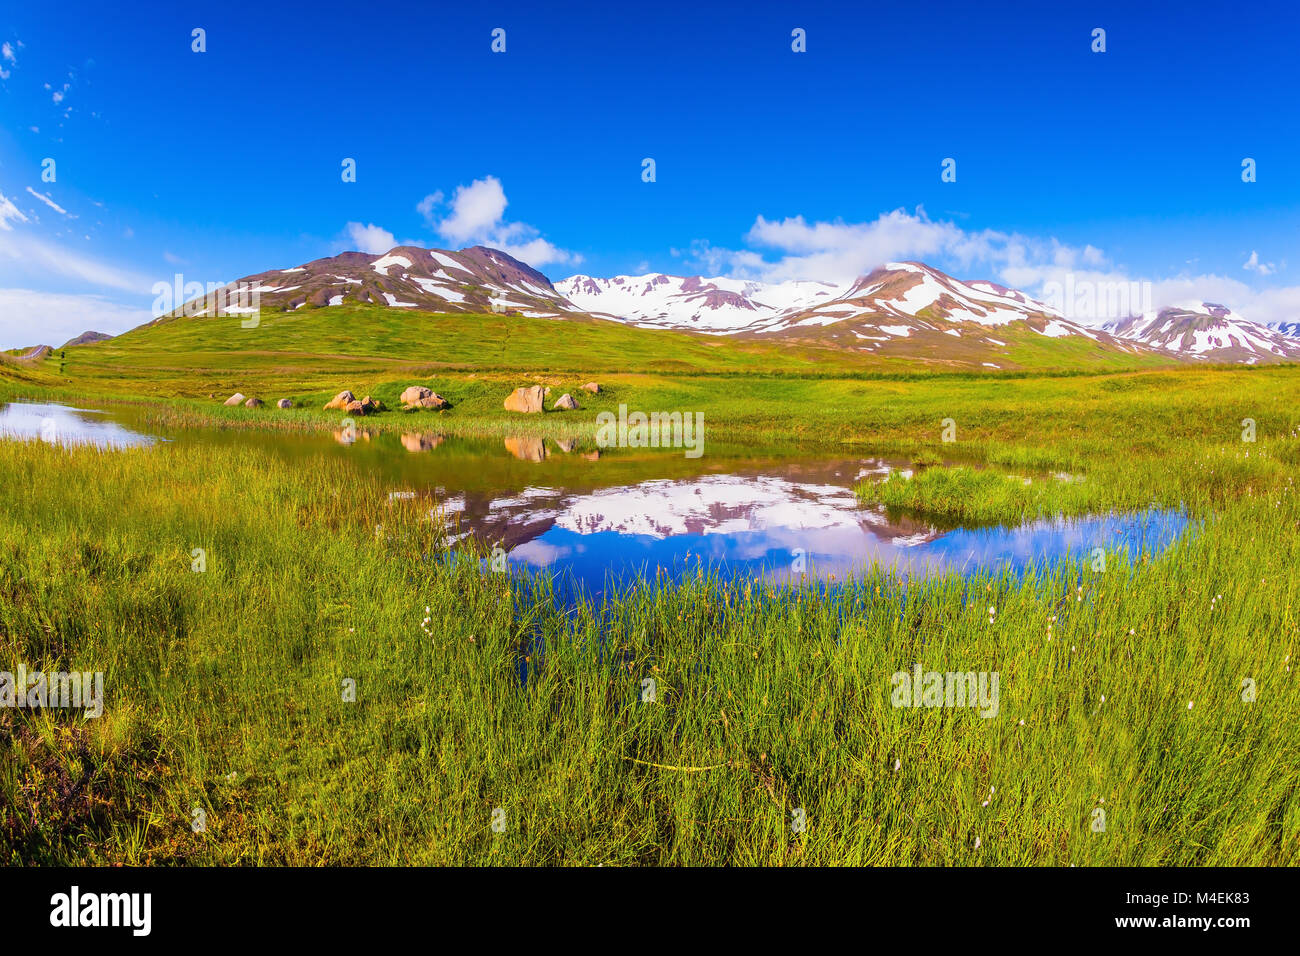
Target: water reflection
771	527
63	425
742	512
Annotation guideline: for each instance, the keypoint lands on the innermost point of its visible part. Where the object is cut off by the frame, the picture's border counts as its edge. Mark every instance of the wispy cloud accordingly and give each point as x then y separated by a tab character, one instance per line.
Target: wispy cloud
1254	265
39	260
50	202
8	55
9	212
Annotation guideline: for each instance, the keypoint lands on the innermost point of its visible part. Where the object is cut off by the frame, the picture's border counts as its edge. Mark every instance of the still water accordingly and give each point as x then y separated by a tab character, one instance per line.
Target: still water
595	518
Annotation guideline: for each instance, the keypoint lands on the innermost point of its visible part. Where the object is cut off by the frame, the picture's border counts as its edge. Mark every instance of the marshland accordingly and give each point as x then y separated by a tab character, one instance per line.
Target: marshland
346	679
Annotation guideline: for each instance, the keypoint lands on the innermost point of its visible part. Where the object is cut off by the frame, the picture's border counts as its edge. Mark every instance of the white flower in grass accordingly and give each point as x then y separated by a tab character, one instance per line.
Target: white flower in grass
977	843
897	765
1189	705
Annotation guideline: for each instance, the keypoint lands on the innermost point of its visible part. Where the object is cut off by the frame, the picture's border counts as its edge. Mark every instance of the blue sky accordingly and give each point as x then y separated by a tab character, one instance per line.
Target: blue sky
769	163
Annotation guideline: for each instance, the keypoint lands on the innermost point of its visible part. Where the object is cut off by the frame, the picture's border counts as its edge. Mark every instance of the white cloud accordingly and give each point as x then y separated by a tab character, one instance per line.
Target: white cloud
42	318
50	202
9	211
369	238
1254	265
476	210
477	217
7	51
839	251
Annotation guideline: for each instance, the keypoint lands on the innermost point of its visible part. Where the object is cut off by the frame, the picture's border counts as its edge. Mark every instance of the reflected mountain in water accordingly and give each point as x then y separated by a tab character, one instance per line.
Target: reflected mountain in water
771	527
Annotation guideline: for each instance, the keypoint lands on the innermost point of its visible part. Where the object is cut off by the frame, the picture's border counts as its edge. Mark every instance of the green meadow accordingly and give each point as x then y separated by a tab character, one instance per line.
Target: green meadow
338	684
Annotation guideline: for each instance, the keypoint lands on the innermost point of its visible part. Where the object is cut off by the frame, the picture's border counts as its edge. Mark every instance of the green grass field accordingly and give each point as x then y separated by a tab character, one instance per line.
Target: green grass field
771	739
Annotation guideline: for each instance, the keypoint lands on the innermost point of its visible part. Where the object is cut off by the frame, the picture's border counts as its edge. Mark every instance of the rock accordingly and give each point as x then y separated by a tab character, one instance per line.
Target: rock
525	399
341	400
372	405
546	390
253	403
526	448
356	408
236	399
591	387
417	396
565	402
284	403
565	445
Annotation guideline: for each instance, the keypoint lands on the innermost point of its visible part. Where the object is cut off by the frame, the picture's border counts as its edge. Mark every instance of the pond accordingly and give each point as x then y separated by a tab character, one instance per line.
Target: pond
593	518
63	425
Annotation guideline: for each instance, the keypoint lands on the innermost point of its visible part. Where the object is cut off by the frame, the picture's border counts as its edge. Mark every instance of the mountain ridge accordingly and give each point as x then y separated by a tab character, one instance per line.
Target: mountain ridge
895	310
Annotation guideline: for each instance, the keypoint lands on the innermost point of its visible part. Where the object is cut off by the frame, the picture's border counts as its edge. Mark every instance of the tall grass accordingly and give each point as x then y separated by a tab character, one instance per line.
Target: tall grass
225	689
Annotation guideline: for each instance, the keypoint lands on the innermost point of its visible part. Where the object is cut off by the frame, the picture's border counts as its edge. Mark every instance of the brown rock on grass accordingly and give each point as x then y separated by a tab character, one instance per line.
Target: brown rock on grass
341	400
365	406
237	399
253	403
565	402
284	403
417	396
591	387
527	399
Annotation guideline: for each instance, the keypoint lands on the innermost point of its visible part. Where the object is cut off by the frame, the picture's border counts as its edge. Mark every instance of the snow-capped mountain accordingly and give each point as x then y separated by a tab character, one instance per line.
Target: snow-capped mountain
477	279
902	310
1289	329
873	314
1207	332
693	303
897	291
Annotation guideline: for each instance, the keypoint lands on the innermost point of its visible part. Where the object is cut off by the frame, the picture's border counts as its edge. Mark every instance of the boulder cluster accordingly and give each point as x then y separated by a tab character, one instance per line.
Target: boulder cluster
240	399
530	399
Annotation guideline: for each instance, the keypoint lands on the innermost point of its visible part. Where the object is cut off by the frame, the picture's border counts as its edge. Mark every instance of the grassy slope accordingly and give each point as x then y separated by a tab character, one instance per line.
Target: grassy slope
312	347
